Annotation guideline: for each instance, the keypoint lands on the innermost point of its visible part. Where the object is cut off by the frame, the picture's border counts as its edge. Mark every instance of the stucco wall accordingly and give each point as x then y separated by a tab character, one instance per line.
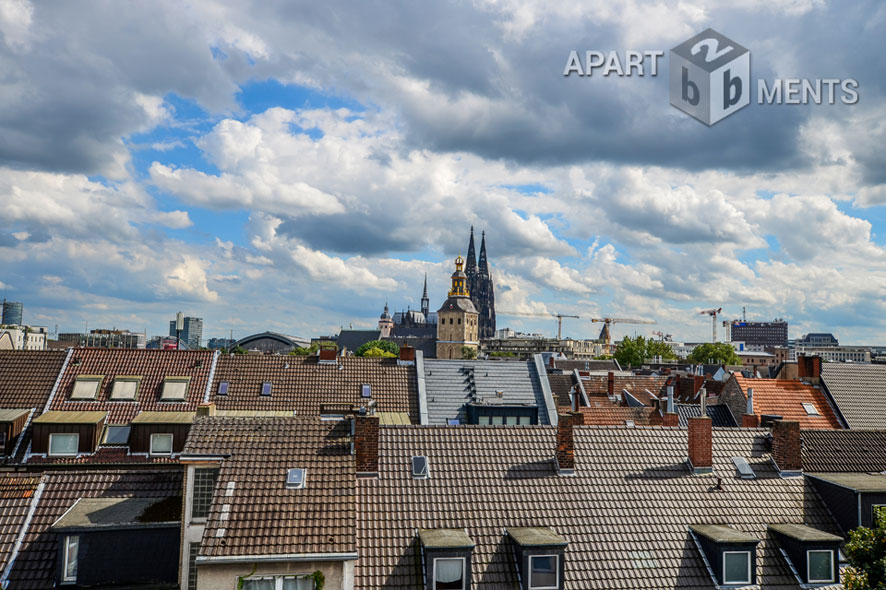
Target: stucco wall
224	576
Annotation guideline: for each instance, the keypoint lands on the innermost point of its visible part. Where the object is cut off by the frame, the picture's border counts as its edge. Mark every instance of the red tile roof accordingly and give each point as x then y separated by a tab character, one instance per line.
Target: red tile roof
27	377
304	385
785	398
635	384
16	495
152	365
619	415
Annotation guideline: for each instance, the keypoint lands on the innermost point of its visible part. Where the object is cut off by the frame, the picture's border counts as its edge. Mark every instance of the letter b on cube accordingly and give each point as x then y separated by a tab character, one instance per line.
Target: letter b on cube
710	76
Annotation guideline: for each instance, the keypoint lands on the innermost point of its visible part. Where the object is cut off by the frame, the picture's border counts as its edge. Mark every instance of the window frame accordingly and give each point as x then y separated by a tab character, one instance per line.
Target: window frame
750	574
304	479
223	384
68	578
125	379
279	579
175	379
151	451
97	380
556	585
810	408
104	440
270	387
463	572
427	470
49	452
809	576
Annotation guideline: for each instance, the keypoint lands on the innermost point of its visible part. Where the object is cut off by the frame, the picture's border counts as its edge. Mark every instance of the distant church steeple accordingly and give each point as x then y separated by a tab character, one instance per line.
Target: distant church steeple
483	266
480	287
471	265
425	302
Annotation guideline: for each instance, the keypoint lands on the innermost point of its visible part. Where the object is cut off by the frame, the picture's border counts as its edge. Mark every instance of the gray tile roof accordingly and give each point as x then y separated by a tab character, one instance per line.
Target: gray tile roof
719	414
450	384
844	450
859	392
632	494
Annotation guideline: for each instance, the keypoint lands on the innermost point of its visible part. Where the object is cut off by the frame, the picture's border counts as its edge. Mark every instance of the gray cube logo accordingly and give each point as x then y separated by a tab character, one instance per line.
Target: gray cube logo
710	76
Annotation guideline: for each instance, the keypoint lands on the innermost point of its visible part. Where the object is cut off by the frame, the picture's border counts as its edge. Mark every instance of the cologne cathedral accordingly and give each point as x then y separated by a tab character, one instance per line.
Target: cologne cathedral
480	286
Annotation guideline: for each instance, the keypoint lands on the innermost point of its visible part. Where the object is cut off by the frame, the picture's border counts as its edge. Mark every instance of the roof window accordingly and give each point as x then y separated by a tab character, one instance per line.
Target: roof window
296	478
266	388
420	467
810	409
175	389
86	387
223	388
125	387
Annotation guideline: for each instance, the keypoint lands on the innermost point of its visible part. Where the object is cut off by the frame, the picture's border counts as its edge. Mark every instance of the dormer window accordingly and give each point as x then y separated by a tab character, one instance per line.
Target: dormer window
812	553
540	556
447	557
86	387
125	387
175	389
730	554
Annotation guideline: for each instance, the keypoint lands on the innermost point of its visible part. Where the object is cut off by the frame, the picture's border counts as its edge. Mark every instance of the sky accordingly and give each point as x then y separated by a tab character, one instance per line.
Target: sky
291	166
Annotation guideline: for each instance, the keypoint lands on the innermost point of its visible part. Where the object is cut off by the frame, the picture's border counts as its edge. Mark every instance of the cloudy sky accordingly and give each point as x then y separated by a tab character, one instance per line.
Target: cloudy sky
290	166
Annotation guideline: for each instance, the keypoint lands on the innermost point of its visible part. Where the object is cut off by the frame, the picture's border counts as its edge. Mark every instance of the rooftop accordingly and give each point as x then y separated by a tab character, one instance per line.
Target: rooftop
27	377
722	534
92	513
859	390
860	482
444	538
785	398
802	532
844	450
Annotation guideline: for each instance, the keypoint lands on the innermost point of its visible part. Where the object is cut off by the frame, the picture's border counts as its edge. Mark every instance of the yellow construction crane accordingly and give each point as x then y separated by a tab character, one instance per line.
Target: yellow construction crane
713	313
559	317
609	321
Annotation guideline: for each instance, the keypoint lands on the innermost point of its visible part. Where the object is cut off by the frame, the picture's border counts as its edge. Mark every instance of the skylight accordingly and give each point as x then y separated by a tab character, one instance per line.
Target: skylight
810	409
175	388
366	390
744	469
420	468
125	388
266	388
223	388
296	478
86	386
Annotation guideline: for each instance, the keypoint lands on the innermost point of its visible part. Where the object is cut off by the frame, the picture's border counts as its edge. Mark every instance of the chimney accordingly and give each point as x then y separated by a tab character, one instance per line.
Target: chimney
565	441
698	383
701	445
366	445
206	410
610	387
750	419
670	416
809	369
327	354
407	355
786	446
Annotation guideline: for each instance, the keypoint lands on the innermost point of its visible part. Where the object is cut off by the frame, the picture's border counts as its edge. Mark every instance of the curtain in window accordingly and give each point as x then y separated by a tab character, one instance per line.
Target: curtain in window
161	444
449	573
298	584
63	444
72	544
267	584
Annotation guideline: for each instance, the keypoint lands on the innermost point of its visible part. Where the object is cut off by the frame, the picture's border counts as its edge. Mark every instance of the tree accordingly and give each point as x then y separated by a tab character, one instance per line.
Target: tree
631	352
866	551
659	348
237	350
385	345
719	353
468	353
376	352
309	350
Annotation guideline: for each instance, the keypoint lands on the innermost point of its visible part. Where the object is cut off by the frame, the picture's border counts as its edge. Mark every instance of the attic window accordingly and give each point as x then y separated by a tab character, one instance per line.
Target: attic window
116	435
125	387
543	572
86	387
420	467
366	390
175	389
449	574
223	388
736	567
296	478
266	388
820	566
743	468
810	409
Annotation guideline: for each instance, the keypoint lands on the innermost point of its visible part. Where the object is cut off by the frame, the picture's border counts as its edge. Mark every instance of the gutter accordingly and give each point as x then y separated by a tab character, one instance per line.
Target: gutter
422	389
545	388
4	581
278	558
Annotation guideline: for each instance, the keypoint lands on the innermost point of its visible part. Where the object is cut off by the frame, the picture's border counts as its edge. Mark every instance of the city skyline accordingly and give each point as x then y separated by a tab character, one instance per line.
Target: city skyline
292	173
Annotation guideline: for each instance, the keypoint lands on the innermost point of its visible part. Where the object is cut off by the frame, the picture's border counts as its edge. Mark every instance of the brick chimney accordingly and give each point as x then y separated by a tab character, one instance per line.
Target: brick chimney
701	444
749	419
786	446
407	355
610	384
565	441
809	368
328	354
366	445
670	414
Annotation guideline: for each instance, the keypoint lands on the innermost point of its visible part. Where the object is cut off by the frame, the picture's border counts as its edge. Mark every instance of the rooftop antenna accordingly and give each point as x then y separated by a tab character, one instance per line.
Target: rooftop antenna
744	313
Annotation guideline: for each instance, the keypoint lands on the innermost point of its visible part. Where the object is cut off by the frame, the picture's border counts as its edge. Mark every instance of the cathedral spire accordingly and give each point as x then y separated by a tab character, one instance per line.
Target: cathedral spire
425	302
484	268
471	265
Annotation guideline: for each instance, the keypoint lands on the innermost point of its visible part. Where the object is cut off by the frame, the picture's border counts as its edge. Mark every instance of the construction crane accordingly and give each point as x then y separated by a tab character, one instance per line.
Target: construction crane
559	317
609	321
713	313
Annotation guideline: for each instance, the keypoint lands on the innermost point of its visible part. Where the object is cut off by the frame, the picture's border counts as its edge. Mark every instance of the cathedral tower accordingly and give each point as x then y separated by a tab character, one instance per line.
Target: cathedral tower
480	287
457	320
385	322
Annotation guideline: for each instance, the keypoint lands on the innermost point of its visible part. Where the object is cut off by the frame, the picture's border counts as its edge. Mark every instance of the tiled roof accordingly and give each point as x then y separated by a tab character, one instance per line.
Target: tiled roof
35	566
303	384
612	415
719	414
354	339
637	385
844	450
785	398
152	365
450	384
629	505
264	518
104	456
859	392
27	377
561	385
16	495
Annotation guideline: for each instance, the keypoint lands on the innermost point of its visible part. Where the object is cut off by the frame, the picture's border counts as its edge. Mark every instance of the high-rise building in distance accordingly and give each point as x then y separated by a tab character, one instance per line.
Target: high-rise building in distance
12	313
192	334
